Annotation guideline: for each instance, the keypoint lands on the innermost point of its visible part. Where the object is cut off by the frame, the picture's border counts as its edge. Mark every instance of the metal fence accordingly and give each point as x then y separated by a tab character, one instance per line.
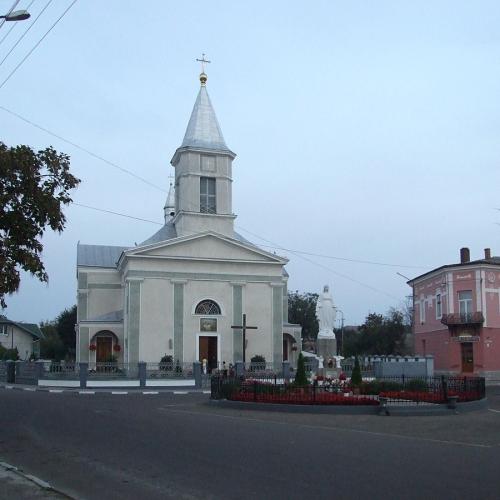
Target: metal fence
3	371
263	369
394	391
169	370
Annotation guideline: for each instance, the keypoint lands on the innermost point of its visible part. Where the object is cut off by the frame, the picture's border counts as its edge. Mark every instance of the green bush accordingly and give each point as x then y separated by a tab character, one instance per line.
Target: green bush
356	378
11	354
258	358
300	376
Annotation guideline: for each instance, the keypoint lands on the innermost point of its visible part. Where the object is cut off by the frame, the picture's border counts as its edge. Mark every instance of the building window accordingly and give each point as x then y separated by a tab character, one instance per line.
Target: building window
3	330
207	195
465	302
206	307
439	310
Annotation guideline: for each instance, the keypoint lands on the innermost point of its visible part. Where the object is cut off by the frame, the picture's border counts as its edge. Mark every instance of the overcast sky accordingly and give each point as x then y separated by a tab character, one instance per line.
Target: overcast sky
364	130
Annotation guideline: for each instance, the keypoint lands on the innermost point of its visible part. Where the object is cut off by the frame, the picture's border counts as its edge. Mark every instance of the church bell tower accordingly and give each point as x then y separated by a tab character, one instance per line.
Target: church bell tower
203	173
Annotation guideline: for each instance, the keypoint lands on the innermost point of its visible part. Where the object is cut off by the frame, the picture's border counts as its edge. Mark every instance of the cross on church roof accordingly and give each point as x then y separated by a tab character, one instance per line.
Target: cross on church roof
203	61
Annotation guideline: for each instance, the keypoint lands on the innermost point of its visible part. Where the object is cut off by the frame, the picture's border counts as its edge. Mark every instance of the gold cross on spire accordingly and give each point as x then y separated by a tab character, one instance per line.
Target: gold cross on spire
203	61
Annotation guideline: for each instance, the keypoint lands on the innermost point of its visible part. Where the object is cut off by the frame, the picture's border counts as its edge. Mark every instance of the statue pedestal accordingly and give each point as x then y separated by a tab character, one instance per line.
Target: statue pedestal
326	348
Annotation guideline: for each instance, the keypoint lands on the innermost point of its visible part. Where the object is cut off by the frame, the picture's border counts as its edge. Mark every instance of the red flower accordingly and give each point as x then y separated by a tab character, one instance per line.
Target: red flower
92	347
117	348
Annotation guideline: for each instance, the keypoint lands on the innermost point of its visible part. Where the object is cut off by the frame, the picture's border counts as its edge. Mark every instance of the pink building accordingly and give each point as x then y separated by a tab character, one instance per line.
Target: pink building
457	315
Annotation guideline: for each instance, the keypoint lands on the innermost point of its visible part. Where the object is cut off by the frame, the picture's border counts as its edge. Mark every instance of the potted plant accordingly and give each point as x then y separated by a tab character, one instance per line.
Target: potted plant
257	363
117	348
92	347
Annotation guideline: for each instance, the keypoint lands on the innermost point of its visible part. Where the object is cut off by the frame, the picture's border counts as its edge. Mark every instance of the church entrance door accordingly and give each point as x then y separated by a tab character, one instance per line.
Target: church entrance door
208	351
103	349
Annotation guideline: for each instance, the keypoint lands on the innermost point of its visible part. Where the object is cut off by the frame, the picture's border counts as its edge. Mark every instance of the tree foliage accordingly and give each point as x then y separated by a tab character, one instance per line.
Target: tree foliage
302	311
378	335
34	186
60	338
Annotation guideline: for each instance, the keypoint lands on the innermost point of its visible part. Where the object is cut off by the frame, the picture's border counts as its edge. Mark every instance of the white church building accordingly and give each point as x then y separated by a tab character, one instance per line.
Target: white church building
180	292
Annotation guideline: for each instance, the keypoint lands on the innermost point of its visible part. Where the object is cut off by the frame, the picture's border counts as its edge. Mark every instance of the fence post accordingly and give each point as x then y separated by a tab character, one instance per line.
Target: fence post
11	371
286	370
40	368
141	370
240	368
197	374
83	372
444	386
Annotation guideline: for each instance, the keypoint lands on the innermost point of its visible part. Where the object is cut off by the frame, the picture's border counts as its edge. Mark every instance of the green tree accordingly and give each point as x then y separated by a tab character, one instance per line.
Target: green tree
379	334
34	186
65	323
51	346
60	337
302	310
300	375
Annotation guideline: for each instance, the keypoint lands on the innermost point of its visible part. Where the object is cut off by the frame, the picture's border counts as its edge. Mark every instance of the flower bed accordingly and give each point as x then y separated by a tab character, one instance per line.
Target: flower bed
430	397
299	396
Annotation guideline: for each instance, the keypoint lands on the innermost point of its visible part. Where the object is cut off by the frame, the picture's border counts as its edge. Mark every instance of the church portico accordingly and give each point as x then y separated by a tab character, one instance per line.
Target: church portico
183	290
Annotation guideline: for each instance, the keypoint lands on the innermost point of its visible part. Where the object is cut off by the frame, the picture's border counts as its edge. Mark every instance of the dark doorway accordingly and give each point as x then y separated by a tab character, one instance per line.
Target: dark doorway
103	349
467	357
285	350
208	351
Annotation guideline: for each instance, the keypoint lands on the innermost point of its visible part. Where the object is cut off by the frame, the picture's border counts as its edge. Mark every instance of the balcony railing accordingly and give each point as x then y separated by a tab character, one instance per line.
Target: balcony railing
475	318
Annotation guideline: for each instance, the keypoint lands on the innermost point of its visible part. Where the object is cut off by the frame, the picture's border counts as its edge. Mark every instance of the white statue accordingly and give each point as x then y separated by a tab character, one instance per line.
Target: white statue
326	314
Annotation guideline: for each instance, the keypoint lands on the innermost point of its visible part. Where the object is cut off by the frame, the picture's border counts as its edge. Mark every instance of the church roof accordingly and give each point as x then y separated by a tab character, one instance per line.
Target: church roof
203	130
167	232
98	255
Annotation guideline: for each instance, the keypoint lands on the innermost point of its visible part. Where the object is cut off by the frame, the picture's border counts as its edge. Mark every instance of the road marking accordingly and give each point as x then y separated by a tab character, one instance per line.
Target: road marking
31	389
39	482
150	392
332	428
207	392
9	387
496	411
180	392
86	392
56	390
119	392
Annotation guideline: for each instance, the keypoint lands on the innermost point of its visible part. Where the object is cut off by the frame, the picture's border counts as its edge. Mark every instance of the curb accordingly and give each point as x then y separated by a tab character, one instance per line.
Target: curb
40	483
390	410
111	390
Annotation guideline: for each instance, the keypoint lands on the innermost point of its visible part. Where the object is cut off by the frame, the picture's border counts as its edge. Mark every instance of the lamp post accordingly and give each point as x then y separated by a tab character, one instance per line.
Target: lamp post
341	332
17	15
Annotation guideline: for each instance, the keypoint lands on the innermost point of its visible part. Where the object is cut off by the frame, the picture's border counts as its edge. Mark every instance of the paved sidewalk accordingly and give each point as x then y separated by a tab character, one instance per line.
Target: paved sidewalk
16	484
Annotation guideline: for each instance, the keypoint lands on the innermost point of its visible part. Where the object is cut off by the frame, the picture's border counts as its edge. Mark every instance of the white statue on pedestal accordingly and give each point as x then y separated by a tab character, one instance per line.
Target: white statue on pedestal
326	314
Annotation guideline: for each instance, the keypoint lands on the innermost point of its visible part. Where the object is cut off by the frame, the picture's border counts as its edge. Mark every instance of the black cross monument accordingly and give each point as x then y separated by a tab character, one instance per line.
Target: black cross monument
244	327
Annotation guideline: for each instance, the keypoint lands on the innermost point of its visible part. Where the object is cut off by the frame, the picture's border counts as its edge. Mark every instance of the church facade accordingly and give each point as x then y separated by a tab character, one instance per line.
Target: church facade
180	292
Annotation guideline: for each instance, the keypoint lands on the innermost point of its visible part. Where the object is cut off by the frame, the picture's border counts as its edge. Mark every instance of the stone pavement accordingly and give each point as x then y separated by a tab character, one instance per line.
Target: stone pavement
16	484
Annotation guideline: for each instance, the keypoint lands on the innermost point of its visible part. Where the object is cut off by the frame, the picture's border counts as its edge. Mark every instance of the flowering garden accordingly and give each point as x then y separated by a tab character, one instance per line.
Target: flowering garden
323	391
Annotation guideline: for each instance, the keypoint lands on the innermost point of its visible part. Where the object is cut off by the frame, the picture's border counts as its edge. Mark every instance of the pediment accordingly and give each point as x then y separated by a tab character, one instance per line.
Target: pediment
207	246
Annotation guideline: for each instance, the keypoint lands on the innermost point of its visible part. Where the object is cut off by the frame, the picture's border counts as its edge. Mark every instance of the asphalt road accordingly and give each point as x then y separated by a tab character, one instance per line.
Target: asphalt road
176	446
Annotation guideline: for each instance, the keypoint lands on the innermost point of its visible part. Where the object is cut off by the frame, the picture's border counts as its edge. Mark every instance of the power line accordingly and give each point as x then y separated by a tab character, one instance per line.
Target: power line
37	44
328	268
116	213
81	148
25	31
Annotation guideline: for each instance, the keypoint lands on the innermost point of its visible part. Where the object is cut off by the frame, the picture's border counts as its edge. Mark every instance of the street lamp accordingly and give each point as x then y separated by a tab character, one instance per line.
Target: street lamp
341	332
17	15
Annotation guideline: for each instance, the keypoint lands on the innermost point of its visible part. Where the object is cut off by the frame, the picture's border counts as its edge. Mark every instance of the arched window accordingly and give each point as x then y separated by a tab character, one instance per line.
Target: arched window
207	307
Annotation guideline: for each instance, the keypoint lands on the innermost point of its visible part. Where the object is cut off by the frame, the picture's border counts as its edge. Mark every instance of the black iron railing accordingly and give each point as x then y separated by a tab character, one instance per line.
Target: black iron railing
392	391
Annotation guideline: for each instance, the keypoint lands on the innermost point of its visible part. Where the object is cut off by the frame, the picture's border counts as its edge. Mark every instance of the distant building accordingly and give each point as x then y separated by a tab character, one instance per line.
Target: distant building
457	315
23	336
